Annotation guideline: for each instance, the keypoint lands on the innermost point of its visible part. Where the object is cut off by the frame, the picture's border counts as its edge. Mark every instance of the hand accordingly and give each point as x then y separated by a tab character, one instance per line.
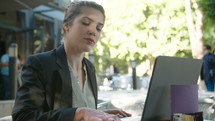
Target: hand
88	114
119	113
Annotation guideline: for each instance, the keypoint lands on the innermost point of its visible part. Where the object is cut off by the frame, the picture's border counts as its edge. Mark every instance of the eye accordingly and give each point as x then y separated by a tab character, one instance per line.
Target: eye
86	23
99	28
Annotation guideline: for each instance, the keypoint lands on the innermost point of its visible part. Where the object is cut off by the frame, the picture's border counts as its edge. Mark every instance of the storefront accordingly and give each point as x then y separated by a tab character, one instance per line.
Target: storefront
34	25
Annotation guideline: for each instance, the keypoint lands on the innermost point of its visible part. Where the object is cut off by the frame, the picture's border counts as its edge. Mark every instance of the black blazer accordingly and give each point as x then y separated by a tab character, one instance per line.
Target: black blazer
46	92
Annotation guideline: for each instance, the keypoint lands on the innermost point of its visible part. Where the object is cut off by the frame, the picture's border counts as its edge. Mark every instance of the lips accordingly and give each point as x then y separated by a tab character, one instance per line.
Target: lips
89	41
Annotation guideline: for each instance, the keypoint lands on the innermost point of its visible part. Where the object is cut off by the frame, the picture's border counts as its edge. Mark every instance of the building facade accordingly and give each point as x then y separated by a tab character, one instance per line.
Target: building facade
35	25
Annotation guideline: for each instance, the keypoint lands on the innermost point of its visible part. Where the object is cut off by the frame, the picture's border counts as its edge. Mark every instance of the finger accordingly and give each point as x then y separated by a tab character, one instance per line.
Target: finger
117	118
123	113
128	114
113	118
100	117
119	115
96	119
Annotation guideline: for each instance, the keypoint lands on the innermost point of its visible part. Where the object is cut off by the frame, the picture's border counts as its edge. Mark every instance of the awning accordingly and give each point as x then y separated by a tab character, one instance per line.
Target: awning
14	5
8	8
49	12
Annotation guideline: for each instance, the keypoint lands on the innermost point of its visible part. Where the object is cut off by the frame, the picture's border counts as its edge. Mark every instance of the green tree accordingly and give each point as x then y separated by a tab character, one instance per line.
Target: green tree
142	30
208	8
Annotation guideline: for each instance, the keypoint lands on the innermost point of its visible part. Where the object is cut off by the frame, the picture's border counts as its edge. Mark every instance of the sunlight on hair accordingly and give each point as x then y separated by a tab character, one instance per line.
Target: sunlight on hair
101	2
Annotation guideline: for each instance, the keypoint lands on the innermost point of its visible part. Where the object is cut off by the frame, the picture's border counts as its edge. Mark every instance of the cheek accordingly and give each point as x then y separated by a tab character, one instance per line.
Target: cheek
98	36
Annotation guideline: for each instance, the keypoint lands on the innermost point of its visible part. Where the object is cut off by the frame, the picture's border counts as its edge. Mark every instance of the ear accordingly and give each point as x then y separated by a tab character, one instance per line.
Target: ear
66	27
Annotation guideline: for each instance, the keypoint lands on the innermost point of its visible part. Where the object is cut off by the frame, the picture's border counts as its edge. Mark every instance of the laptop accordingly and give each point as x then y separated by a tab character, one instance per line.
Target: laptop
167	71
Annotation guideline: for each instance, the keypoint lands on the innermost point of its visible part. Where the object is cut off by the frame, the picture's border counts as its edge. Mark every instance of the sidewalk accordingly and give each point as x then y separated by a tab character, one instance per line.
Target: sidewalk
133	101
130	100
6	107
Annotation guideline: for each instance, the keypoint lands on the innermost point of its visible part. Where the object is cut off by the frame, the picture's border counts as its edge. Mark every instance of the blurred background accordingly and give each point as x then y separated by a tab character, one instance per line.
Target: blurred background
134	30
135	33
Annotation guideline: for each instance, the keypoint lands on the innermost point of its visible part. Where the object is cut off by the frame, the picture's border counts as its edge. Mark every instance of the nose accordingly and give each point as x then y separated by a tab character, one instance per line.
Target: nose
92	30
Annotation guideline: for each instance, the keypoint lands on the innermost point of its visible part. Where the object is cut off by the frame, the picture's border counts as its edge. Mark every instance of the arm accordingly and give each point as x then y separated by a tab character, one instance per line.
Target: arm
31	103
4	60
119	113
4	64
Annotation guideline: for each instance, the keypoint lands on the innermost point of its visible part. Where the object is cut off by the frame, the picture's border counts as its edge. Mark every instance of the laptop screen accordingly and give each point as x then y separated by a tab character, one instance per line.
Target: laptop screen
168	71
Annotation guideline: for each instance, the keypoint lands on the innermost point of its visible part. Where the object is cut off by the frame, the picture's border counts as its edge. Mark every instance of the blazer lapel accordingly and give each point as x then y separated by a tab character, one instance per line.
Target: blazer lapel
92	78
66	99
66	94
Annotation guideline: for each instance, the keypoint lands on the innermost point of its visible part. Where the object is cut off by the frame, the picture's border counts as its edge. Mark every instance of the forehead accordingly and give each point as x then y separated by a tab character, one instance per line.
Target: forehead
91	13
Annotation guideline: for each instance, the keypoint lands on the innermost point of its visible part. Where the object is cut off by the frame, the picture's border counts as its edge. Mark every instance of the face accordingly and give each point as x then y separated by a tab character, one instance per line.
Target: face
83	33
205	50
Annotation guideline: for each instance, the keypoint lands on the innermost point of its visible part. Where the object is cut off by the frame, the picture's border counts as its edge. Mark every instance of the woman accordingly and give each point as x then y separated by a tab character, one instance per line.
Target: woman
60	85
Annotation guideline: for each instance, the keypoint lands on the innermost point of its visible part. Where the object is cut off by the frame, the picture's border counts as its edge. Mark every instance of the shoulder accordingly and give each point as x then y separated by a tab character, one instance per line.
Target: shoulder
44	58
5	57
207	56
211	56
43	55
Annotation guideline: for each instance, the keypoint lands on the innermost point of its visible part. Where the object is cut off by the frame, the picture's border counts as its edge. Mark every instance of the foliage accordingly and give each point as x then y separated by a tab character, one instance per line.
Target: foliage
142	30
208	8
208	31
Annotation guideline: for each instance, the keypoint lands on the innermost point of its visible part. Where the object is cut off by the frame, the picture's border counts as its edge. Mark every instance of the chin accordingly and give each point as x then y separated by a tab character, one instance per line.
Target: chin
87	49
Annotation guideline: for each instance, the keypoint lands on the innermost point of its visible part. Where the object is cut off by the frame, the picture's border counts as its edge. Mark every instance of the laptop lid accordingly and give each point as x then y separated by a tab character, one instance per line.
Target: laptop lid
168	71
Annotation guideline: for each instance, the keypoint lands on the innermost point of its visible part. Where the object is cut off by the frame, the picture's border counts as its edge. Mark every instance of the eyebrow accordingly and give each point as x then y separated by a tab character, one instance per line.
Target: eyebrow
93	20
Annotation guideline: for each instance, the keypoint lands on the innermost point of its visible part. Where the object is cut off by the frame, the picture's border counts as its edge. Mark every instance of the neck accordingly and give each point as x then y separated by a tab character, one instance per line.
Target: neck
75	61
77	69
207	52
74	57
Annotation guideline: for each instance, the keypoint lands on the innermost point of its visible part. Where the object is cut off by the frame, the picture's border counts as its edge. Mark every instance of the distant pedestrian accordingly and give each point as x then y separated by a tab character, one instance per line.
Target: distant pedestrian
1	85
115	69
4	61
2	51
146	79
208	68
5	75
